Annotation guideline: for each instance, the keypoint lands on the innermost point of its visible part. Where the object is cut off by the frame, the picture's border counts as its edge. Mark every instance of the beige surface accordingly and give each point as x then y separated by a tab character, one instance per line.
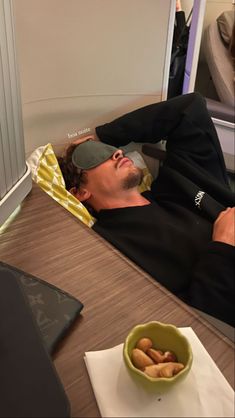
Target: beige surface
213	10
84	61
45	240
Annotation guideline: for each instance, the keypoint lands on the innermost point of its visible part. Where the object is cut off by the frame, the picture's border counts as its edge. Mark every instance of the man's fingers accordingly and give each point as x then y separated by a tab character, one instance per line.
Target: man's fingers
84	139
223	230
223	213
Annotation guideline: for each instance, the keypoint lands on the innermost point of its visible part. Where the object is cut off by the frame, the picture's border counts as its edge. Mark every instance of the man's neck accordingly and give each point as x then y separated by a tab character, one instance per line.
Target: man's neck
128	198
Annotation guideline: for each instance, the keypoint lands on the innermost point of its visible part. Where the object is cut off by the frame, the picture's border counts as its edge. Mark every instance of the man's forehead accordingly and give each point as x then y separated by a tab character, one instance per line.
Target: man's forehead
91	153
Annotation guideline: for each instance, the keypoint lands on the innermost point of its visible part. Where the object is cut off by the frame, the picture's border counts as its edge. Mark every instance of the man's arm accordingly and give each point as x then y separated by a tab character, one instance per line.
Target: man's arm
183	121
147	124
212	287
212	283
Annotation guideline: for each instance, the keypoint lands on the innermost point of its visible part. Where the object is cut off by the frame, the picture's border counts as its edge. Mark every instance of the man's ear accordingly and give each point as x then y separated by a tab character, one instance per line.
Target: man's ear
81	194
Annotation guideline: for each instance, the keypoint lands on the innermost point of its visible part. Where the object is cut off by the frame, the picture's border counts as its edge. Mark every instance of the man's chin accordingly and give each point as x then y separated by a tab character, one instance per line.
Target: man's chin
133	179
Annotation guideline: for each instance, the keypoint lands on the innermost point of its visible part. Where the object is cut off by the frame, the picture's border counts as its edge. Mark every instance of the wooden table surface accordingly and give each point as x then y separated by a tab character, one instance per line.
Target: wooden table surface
48	242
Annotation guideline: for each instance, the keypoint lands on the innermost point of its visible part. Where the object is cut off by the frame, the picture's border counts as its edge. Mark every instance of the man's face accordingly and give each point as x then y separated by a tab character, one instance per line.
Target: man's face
113	176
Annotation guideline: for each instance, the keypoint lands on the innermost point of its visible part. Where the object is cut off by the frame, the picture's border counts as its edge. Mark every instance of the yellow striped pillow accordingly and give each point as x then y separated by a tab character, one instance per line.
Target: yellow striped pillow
46	173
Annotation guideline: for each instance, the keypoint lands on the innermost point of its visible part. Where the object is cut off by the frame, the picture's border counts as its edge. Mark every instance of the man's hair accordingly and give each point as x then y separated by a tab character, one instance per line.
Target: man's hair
73	176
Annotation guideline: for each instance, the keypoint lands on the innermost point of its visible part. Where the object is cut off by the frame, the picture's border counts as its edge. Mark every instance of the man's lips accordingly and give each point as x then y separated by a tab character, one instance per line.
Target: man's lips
123	161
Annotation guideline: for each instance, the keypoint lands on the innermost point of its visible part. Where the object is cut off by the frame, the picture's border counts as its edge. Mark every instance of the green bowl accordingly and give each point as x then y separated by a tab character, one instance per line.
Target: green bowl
165	337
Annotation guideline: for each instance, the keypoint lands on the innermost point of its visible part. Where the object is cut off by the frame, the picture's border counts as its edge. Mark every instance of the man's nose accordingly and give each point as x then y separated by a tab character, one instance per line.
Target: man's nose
117	154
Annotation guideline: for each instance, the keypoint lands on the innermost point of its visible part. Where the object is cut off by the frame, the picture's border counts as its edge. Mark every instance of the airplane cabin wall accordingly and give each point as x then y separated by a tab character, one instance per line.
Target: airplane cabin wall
83	62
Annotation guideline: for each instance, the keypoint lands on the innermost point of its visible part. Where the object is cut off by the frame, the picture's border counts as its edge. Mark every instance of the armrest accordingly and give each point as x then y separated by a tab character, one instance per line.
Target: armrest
152	151
220	110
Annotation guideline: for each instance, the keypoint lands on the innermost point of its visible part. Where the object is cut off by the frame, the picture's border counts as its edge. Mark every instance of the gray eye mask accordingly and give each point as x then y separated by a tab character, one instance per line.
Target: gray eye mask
91	153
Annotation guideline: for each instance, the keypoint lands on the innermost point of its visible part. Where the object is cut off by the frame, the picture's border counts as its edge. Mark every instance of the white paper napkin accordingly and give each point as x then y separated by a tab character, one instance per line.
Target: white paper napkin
204	393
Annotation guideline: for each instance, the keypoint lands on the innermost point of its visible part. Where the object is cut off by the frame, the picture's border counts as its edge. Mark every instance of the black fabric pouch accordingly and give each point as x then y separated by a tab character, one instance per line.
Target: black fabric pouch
29	384
54	310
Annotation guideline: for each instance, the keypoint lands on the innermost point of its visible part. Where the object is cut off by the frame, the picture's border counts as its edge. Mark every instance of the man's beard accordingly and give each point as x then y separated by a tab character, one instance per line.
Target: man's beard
133	179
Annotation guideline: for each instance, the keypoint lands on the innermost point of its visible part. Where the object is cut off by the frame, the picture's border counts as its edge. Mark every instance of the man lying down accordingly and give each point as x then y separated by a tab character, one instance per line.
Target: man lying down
182	231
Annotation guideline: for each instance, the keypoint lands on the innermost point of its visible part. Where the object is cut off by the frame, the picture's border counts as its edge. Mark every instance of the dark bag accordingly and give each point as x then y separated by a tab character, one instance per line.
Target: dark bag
29	385
178	55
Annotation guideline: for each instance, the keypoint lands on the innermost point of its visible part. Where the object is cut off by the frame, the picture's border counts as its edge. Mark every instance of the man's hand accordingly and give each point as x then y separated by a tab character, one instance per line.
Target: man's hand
80	140
178	6
224	227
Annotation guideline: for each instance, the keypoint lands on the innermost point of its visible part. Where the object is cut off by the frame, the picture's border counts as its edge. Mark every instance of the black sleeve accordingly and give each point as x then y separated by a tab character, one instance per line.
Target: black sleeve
183	121
157	121
147	124
180	25
212	284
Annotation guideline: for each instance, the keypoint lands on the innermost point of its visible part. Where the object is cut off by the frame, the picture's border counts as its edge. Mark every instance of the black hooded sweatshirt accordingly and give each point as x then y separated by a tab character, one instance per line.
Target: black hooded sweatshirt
171	238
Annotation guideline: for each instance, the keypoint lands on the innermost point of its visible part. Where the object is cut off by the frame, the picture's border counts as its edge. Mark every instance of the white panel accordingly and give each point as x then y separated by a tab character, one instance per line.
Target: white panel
89	57
15	196
3	181
8	177
225	131
12	141
15	179
87	47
